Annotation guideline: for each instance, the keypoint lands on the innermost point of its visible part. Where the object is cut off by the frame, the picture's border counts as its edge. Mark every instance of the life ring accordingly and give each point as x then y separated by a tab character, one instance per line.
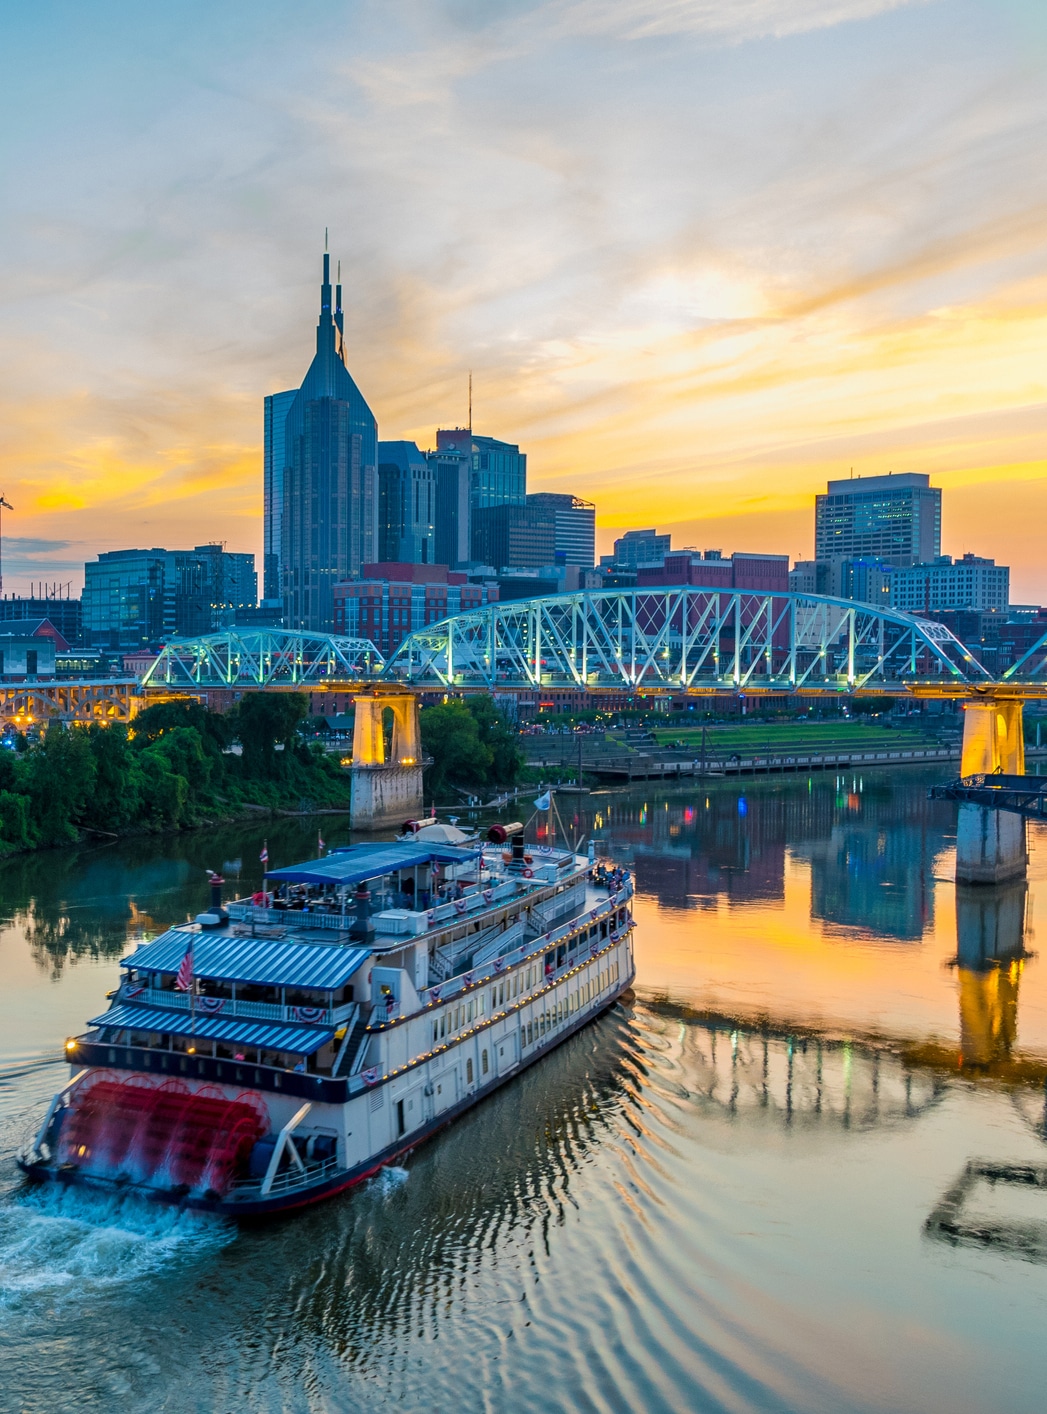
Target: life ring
528	873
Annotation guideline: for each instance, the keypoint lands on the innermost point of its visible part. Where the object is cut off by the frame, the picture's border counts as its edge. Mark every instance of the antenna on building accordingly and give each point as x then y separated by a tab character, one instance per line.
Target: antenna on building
470	400
6	504
325	240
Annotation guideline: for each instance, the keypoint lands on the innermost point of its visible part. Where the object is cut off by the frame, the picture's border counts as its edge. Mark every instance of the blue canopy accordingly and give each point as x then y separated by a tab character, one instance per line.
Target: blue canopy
241	1031
370	861
227	957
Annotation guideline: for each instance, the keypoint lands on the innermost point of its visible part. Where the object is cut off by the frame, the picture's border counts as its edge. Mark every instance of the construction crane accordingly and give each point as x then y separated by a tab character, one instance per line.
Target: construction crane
5	504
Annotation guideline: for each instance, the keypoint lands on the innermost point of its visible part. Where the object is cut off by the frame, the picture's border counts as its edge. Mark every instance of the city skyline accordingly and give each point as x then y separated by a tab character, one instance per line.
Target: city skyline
783	292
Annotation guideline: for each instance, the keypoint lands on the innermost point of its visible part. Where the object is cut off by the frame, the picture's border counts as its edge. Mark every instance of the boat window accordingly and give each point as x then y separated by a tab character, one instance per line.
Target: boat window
484	1066
469	1071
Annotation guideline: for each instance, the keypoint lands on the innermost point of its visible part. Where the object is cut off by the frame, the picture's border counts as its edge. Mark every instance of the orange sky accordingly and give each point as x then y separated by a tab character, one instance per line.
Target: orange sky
701	256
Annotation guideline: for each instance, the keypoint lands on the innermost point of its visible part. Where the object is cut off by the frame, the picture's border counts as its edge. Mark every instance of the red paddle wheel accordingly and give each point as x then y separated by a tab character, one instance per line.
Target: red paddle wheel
166	1133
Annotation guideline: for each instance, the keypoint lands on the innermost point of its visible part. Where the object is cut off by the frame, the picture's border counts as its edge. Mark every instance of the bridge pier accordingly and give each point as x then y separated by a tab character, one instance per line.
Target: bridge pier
385	791
990	844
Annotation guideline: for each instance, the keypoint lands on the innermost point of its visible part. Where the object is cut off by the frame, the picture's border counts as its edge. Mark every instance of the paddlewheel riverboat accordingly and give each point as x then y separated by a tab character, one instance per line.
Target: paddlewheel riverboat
283	1047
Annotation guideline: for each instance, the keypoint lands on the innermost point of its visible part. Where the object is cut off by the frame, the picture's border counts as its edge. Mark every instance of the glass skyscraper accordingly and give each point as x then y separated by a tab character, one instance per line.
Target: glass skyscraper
330	493
277	406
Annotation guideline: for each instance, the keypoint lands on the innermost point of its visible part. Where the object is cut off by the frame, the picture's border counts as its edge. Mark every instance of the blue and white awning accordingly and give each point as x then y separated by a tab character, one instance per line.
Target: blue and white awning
360	862
266	962
241	1031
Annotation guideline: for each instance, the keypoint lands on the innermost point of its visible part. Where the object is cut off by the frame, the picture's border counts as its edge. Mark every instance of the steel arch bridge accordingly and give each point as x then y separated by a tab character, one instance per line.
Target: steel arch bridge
686	639
263	658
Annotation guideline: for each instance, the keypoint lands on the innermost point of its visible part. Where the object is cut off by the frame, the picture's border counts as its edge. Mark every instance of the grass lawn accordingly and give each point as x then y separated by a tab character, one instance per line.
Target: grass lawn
795	736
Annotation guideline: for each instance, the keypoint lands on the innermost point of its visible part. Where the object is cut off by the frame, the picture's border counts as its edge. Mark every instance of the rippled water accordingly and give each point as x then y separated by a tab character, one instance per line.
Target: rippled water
743	1191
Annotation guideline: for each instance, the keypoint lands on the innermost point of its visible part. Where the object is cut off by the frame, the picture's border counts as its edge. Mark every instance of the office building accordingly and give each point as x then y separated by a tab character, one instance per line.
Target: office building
637	547
277	406
894	519
406	505
390	601
139	598
968	583
514	536
452	520
330	504
575	527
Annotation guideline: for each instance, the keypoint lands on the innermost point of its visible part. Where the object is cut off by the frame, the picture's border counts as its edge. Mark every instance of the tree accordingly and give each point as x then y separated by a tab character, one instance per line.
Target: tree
450	735
61	777
260	720
500	740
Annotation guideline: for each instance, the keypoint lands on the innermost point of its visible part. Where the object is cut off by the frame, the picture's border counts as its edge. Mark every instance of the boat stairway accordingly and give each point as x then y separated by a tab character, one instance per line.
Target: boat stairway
351	1056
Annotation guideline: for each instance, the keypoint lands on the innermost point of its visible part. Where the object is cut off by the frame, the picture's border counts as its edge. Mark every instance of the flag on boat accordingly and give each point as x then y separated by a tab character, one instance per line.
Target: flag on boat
184	976
264	856
371	1076
320	846
210	1005
434	993
544	801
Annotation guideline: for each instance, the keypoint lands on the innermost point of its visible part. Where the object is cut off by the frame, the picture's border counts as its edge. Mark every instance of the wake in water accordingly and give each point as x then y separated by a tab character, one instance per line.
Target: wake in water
55	1239
388	1181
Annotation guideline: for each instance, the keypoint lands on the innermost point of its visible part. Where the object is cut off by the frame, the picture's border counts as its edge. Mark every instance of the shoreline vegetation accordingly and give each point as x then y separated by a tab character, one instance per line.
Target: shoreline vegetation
177	767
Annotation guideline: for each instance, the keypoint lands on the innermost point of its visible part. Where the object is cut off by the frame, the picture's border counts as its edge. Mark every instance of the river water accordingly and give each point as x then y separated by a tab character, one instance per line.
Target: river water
747	1189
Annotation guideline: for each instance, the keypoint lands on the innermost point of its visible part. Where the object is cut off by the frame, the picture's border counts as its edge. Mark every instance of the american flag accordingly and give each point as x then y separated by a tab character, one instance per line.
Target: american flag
264	856
184	978
320	846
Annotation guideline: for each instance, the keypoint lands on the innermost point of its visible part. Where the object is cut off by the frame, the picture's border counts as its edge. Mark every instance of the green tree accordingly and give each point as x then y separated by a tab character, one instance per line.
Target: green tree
259	722
164	794
61	776
451	736
498	737
114	802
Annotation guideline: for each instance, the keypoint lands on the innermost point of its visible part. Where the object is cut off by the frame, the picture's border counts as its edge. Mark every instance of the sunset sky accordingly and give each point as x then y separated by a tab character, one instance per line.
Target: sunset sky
700	255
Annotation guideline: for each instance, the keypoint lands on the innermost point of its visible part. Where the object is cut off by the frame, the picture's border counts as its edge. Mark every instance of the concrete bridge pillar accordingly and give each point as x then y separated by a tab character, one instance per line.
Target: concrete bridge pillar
991	844
386	787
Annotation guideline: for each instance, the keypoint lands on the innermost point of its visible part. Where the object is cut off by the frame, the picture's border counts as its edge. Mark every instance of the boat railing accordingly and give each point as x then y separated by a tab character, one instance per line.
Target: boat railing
286	1181
496	965
230	1006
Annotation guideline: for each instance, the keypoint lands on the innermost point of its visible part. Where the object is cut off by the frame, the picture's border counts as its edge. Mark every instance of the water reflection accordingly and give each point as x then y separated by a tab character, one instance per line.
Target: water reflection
871	844
990	956
87	903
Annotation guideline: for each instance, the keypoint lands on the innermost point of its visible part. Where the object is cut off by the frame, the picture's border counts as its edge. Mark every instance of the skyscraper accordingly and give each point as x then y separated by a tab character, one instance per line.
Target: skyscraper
277	406
895	519
406	504
330	495
575	527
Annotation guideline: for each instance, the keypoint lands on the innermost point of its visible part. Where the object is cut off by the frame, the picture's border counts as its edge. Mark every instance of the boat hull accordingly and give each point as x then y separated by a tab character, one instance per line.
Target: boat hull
259	1209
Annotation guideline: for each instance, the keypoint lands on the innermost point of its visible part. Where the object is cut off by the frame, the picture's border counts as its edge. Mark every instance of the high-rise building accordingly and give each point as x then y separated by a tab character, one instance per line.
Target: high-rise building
452	528
330	506
895	519
406	504
575	527
277	406
497	477
137	598
514	536
969	583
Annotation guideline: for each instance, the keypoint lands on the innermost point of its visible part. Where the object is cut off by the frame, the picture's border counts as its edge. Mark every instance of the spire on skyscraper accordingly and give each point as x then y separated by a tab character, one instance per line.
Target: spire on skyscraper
338	319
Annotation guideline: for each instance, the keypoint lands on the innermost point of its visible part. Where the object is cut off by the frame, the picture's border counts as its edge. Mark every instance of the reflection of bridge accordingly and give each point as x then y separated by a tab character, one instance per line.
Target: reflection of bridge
804	1078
